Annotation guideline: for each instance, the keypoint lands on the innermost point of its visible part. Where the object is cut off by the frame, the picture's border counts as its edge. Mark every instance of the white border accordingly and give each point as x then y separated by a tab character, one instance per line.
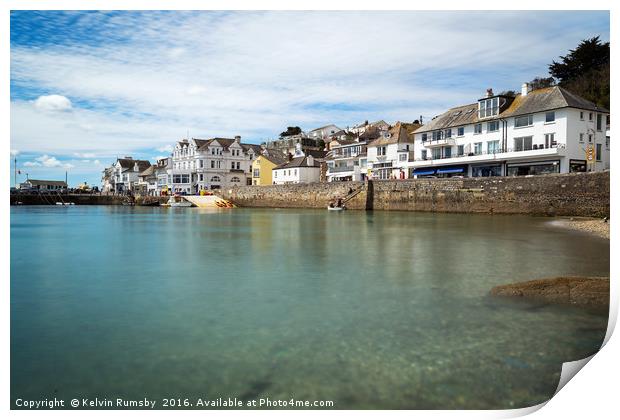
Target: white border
592	394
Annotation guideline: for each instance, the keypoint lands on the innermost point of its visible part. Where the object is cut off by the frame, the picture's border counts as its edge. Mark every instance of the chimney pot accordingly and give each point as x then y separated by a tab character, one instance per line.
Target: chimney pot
525	88
489	92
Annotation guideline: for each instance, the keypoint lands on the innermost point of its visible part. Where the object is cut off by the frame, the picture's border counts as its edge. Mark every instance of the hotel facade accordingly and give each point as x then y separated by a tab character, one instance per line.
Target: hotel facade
548	130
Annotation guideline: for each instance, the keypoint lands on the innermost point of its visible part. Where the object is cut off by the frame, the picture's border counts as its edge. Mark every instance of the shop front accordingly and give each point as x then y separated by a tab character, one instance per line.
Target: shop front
533	168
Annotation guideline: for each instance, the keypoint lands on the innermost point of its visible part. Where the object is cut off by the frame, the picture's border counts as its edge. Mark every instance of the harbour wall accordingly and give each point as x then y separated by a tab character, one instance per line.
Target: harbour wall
79	199
575	194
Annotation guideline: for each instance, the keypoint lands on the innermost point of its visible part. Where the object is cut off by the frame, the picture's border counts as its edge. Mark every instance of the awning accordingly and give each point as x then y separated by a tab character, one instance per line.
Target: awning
449	170
423	171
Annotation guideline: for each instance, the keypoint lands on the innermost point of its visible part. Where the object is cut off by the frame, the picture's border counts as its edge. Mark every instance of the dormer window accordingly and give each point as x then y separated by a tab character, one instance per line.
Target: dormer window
488	107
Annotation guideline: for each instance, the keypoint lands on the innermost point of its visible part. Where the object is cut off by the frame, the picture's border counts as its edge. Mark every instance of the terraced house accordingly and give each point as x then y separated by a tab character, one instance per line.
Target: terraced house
548	130
210	164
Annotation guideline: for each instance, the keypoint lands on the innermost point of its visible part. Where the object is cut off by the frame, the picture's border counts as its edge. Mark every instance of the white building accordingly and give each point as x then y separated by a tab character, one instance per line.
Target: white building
163	173
548	130
363	127
299	170
324	132
390	154
347	161
122	176
211	164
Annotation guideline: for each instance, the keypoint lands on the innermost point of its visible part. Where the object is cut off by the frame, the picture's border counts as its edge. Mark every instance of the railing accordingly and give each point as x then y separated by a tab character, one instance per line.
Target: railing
337	169
495	152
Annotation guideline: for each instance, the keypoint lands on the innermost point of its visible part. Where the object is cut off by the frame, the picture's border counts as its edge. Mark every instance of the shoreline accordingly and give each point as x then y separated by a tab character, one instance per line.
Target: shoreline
596	227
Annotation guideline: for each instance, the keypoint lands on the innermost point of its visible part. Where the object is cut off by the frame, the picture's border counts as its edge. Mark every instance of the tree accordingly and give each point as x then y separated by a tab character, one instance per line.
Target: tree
291	131
585	71
589	55
542	82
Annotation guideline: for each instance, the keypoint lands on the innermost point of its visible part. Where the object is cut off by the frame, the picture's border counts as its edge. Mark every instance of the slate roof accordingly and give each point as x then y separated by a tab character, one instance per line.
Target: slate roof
148	171
298	162
128	164
274	156
399	133
539	100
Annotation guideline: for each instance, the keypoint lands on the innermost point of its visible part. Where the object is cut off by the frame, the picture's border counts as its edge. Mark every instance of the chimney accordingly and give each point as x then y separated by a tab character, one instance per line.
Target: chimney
238	139
489	92
128	157
310	160
525	88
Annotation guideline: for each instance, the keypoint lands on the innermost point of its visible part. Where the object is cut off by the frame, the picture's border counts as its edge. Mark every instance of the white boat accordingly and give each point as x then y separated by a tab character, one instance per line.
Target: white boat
330	208
178	201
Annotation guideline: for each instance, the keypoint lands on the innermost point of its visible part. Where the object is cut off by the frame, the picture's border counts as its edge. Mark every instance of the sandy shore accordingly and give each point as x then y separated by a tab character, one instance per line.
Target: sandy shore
596	227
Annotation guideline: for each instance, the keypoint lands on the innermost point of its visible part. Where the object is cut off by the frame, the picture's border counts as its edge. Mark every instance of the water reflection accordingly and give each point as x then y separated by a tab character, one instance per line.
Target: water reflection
370	309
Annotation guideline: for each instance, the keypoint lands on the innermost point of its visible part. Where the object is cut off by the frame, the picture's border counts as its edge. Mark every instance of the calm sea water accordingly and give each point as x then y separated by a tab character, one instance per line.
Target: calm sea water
367	309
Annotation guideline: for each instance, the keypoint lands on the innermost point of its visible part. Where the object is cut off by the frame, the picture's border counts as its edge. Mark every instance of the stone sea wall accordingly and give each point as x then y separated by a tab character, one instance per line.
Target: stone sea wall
577	194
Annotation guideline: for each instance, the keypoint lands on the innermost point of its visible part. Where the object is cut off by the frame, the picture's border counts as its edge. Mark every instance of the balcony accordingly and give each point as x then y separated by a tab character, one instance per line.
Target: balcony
510	152
439	142
338	169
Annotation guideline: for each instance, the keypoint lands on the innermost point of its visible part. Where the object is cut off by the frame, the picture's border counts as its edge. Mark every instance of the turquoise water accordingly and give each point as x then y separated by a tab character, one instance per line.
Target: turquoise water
367	309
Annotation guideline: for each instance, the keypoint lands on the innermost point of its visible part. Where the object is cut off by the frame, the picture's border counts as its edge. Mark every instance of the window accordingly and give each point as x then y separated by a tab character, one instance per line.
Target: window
448	133
580	137
550	116
235	179
523	143
295	172
581	115
599	122
212	164
590	138
232	165
275	174
381	150
437	135
447	152
550	140
424	136
607	143
524	121
215	178
201	163
488	107
437	153
460	131
424	155
402	157
460	150
238	165
493	146
591	116
477	128
599	152
478	148
201	177
256	173
493	126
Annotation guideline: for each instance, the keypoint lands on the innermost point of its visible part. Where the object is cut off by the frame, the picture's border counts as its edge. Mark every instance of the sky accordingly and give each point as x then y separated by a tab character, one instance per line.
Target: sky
88	87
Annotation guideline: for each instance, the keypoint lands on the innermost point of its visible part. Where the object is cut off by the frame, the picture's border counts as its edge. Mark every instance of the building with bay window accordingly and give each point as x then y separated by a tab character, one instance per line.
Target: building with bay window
210	164
548	130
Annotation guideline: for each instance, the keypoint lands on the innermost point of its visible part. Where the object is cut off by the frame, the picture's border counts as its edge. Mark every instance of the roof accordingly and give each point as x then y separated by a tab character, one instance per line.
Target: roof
317	154
325	126
256	148
128	164
298	162
399	133
539	100
274	156
148	171
44	182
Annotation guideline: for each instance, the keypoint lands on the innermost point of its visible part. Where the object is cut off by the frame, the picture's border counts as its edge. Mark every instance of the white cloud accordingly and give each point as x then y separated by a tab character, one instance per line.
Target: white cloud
84	155
31	164
53	103
14	152
167	148
97	162
48	162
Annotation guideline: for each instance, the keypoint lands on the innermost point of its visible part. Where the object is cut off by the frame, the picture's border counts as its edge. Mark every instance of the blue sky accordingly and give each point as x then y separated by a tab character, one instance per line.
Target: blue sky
87	87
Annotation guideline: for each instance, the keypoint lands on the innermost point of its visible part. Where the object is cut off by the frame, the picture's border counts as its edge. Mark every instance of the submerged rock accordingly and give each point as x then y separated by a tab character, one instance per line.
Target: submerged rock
592	292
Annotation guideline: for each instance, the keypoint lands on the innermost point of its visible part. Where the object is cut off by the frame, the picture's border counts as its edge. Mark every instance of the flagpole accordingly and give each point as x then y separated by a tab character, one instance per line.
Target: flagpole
15	172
